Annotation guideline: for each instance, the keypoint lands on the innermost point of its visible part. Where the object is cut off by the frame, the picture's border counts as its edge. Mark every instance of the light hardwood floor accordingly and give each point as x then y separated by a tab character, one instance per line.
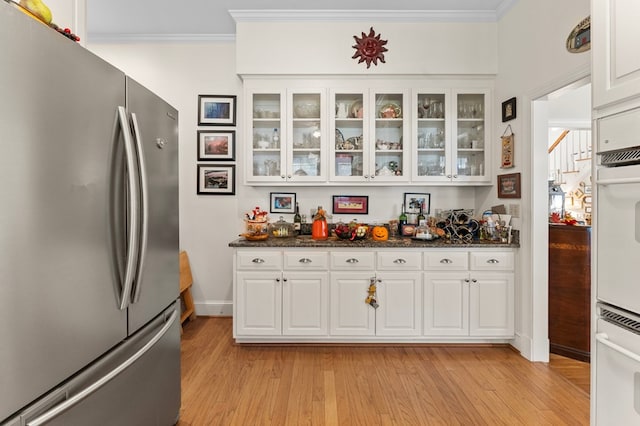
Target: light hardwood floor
228	384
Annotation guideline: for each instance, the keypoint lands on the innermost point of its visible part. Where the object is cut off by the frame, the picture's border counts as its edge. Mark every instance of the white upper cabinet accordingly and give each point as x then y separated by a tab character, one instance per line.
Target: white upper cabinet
615	59
383	132
288	131
369	131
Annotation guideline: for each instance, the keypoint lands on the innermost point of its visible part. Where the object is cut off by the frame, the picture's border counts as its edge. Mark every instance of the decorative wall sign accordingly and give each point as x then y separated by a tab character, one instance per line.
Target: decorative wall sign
509	109
506	156
350	204
579	39
509	186
369	48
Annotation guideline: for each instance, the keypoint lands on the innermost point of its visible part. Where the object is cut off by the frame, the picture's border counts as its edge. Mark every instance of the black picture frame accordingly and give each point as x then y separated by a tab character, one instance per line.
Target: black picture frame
216	145
350	204
282	202
216	110
216	179
413	201
509	109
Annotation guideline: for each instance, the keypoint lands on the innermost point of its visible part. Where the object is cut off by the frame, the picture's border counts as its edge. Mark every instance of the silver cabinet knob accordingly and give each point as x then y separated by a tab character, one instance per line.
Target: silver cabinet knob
304	260
258	260
493	261
400	261
352	260
446	261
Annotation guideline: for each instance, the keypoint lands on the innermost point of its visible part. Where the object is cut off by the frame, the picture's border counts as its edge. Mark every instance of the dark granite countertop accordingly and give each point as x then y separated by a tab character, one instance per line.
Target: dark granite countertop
305	241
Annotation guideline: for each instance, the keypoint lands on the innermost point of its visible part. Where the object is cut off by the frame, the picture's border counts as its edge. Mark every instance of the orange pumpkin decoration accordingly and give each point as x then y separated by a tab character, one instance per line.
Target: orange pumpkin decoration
380	233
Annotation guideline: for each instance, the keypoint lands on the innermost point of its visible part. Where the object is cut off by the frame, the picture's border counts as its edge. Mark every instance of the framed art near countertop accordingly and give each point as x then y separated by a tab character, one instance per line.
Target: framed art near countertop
350	204
415	203
282	202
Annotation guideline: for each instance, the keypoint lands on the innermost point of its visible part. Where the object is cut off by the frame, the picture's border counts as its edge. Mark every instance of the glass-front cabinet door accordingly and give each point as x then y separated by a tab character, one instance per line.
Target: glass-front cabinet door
266	155
369	131
349	132
431	161
390	142
288	131
469	160
306	156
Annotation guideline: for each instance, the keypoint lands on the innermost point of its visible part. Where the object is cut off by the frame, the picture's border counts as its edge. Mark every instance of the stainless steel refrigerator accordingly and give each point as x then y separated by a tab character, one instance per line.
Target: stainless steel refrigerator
89	323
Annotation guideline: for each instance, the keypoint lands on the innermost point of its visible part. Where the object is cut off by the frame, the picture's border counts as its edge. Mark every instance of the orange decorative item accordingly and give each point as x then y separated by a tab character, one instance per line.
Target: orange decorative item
319	228
380	233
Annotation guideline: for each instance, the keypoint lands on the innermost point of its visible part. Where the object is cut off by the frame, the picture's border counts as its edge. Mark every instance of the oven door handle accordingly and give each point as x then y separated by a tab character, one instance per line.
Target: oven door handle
613	181
604	339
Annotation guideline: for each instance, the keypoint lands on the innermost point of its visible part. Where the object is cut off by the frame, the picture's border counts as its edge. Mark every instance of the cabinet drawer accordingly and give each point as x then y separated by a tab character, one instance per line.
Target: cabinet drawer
446	261
306	260
349	260
259	260
399	261
492	261
619	131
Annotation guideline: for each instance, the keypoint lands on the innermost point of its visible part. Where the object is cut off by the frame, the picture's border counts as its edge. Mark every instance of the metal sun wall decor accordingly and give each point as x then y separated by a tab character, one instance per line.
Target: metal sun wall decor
369	48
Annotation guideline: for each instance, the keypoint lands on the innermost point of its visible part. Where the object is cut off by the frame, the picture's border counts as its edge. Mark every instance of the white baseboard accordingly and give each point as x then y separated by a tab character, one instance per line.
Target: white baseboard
214	308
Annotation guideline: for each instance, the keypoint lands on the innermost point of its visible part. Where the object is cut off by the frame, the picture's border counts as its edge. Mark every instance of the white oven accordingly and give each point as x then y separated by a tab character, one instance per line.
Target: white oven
617	369
616	362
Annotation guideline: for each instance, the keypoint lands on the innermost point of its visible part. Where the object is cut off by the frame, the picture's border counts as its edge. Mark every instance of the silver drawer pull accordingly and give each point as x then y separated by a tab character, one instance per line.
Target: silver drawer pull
258	260
400	261
304	260
352	260
493	261
446	261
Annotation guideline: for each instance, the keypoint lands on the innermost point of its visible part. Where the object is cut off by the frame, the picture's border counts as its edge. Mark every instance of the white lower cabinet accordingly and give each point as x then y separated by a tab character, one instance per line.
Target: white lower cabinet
286	302
422	295
478	302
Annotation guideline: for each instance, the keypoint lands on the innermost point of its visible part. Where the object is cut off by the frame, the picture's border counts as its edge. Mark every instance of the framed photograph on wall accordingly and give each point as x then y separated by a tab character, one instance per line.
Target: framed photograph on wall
415	202
509	109
509	185
216	110
216	145
282	202
350	204
216	180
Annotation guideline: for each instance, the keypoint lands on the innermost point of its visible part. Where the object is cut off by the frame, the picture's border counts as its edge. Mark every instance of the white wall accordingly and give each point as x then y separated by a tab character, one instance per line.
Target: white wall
179	73
533	62
326	48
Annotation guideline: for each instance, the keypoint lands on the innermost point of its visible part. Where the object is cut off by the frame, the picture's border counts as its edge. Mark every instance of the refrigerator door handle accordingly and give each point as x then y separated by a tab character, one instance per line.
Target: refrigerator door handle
75	399
144	208
133	211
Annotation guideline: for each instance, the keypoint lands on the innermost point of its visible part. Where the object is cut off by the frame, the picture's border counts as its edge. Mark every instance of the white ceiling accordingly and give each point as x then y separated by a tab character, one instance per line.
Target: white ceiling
210	19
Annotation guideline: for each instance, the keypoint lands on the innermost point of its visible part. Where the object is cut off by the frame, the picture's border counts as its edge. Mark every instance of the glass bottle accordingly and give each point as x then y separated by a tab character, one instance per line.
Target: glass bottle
421	219
275	139
402	220
297	219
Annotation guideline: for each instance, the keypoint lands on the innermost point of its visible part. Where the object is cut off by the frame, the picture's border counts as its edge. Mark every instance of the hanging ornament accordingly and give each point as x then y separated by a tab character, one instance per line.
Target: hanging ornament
369	48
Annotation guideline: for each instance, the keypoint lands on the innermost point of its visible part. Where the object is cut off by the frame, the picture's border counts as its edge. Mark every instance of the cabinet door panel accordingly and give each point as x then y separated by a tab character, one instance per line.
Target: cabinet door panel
491	307
258	304
399	296
446	304
305	303
350	315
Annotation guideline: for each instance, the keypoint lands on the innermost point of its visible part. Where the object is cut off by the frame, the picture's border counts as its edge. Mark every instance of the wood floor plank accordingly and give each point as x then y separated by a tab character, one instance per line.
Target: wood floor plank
228	384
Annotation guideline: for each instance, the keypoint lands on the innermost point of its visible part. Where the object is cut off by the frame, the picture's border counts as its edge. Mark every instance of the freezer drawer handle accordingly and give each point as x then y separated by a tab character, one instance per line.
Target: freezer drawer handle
75	399
604	339
617	181
258	260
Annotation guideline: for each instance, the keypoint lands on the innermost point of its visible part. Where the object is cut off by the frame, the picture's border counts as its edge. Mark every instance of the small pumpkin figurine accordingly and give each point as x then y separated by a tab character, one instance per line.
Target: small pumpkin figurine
380	233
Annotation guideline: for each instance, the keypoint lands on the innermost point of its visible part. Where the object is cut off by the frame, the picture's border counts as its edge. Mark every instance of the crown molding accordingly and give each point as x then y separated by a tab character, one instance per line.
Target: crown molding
366	15
159	38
